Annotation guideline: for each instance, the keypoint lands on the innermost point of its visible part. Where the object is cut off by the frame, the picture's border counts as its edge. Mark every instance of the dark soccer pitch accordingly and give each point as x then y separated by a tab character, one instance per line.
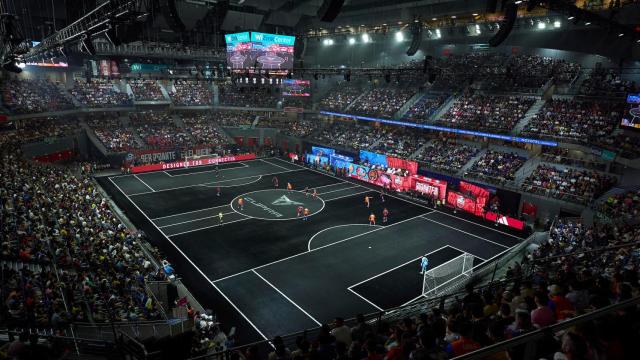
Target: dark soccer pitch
270	273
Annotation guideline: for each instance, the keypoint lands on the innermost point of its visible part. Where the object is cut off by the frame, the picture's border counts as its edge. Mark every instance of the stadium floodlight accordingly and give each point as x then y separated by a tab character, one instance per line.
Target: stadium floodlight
621	35
352	41
557	24
587	23
541	25
438	34
328	42
399	36
365	38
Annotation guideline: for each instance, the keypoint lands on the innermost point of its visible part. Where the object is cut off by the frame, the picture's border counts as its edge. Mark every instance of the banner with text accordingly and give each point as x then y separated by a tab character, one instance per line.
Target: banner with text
185	164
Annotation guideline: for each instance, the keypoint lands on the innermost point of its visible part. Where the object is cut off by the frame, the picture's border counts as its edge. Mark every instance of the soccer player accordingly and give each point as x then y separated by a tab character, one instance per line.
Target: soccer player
385	215
241	203
306	214
300	210
217	170
367	200
289	187
382	195
424	262
275	182
314	194
306	191
372	219
218	191
220	217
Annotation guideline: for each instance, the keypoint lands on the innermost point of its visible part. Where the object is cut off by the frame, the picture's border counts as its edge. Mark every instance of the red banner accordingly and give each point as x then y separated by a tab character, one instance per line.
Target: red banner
529	209
474	190
199	162
53	157
398	163
505	220
430	186
464	202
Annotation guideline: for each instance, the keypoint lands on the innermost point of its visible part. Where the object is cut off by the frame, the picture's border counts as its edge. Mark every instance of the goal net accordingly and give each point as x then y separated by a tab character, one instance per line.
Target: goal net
437	280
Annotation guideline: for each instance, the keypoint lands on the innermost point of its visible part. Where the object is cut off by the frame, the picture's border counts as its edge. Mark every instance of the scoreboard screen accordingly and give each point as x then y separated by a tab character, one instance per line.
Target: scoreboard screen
256	50
238	50
292	87
631	116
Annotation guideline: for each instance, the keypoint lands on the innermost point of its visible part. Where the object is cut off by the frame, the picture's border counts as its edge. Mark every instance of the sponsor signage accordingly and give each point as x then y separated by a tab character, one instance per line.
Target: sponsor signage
199	162
505	220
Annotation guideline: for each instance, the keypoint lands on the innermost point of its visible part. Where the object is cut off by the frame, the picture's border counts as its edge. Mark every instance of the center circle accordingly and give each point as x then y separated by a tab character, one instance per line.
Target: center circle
277	204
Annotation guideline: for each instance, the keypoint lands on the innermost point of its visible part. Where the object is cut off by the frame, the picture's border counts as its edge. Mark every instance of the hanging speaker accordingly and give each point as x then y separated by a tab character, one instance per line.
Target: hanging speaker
300	48
170	13
330	10
510	14
416	38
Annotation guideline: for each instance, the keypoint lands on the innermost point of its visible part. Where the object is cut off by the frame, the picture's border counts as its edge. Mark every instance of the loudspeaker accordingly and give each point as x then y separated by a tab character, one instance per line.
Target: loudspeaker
300	48
491	6
416	39
510	14
170	13
330	10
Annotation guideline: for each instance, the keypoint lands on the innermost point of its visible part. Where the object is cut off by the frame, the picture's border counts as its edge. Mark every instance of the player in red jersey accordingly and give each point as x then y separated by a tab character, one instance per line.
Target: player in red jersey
314	194
241	204
300	210
385	215
372	219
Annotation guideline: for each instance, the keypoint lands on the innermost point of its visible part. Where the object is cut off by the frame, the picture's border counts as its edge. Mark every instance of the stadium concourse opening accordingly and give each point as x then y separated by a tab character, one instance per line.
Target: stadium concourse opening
259	260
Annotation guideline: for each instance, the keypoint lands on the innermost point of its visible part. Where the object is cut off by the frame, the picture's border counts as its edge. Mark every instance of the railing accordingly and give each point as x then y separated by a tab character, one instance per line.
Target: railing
530	341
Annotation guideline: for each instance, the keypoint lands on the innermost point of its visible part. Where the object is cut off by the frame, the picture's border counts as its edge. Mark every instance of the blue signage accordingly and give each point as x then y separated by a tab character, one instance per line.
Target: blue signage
446	129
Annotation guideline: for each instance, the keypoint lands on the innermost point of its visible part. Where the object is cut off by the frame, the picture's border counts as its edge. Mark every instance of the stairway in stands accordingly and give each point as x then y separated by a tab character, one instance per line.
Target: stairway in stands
443	109
470	163
533	110
355	101
406	106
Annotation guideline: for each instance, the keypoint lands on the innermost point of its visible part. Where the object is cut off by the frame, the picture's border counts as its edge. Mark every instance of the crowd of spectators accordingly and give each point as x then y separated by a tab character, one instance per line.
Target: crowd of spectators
455	72
400	142
33	130
497	166
424	108
568	184
248	96
446	155
301	102
292	127
626	145
349	135
33	96
606	82
624	206
341	96
528	73
234	118
189	92
486	112
99	93
382	101
204	130
76	260
579	121
568	157
159	131
146	90
112	134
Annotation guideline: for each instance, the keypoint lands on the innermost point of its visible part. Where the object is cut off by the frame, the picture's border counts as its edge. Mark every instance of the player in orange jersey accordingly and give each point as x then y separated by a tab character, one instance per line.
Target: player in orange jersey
367	200
372	219
241	204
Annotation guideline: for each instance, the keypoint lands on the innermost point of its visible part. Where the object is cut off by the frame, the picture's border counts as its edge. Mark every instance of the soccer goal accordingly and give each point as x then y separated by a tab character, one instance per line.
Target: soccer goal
437	280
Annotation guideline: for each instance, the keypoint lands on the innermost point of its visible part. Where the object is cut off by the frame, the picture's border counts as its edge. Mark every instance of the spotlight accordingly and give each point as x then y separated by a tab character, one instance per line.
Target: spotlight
399	36
21	65
557	24
620	35
438	34
475	14
365	38
571	17
541	25
352	41
587	23
327	42
11	65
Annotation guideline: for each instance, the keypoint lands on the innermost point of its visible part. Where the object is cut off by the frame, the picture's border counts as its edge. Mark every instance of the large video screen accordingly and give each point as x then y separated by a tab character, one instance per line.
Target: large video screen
239	53
292	87
631	117
272	51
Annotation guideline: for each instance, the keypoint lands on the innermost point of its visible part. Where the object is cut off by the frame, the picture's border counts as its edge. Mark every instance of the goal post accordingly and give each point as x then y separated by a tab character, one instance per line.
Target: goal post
435	280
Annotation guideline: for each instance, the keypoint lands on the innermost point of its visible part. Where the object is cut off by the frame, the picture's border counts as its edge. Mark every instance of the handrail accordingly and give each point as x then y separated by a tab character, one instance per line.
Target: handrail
530	338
